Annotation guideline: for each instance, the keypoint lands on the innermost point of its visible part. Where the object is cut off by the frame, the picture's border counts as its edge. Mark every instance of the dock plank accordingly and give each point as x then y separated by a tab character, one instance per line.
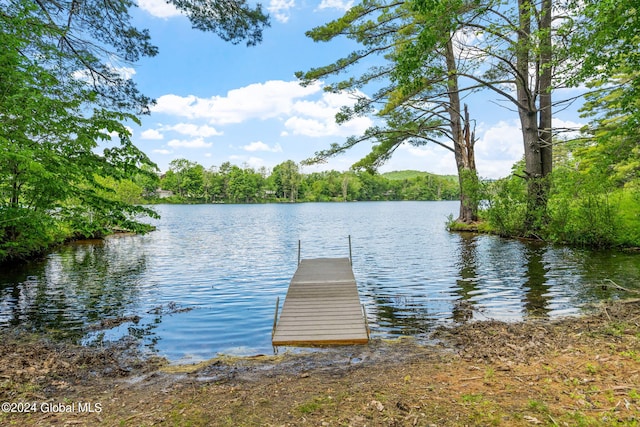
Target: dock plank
322	306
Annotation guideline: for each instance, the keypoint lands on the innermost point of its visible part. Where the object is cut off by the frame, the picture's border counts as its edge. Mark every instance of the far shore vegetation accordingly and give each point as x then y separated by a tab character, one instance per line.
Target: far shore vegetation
190	182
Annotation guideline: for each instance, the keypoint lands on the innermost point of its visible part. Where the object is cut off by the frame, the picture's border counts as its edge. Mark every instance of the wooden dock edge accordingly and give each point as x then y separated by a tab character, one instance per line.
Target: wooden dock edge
308	290
321	343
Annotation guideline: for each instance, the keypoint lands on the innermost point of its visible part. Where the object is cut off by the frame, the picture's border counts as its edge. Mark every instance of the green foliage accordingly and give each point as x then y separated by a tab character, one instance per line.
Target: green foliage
595	200
50	128
411	174
24	232
476	227
68	167
286	180
583	210
611	146
507	206
185	178
233	20
125	190
472	188
244	185
232	184
629	215
607	40
385	28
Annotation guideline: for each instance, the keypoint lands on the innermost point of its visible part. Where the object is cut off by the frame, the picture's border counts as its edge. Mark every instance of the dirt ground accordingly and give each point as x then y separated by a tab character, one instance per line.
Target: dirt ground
572	372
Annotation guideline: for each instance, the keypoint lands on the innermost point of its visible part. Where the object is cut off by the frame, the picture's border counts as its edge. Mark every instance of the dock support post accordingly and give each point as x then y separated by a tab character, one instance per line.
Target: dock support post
298	252
275	317
366	321
350	259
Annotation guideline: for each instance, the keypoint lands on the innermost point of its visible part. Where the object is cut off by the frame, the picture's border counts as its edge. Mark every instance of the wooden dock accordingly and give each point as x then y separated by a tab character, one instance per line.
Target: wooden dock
322	306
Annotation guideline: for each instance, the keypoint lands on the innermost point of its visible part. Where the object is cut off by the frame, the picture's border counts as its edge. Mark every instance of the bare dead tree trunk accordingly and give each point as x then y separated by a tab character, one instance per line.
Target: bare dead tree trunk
469	173
463	142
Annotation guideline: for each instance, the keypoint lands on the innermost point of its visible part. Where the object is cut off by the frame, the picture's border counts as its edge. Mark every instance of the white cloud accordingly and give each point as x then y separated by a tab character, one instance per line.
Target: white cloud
193	143
261	146
189	129
499	147
414	151
175	105
151	134
327	126
159	8
566	129
273	99
162	151
85	75
255	162
336	4
317	118
125	72
502	140
250	161
307	127
112	135
256	101
194	130
280	9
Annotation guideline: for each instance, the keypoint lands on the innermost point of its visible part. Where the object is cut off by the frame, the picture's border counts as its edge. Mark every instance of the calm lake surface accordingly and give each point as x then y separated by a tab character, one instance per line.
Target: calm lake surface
207	280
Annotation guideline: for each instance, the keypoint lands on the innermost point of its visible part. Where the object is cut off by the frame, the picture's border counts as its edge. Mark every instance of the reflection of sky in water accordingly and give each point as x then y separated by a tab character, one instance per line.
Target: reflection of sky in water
207	280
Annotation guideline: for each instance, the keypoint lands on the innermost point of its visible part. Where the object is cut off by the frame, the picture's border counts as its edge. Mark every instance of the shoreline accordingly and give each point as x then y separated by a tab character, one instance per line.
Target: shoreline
581	370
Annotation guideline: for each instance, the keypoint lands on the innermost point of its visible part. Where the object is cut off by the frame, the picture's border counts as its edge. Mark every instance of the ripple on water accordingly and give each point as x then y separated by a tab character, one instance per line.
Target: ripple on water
206	282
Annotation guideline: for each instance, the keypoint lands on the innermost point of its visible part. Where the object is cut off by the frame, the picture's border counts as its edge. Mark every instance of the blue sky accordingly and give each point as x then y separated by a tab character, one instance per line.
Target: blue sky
219	102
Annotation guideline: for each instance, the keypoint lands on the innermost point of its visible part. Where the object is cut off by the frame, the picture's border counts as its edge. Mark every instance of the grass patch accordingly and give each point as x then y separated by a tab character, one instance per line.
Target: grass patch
474	227
472	398
538	406
316	404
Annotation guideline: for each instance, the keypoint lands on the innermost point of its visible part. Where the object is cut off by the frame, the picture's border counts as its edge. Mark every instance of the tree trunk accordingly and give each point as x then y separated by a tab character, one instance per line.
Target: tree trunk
536	135
546	85
463	142
16	187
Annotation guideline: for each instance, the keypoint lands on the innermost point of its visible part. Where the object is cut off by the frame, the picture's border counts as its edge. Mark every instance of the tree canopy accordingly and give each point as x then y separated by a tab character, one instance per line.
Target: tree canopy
520	53
66	99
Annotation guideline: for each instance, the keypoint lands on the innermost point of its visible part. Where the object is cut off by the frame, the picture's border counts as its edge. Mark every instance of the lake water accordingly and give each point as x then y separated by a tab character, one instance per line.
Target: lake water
206	281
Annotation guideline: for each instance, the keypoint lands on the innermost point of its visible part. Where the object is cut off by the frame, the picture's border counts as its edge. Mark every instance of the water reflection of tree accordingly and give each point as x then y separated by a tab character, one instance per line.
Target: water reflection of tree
397	310
462	309
81	284
402	315
536	297
597	267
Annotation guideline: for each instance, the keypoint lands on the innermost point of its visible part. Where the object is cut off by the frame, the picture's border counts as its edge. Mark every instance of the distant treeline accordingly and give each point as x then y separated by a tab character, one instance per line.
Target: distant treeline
190	182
